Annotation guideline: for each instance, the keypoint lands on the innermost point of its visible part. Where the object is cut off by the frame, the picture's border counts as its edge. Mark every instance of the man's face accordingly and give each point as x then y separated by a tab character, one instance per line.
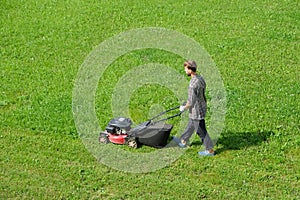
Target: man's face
187	71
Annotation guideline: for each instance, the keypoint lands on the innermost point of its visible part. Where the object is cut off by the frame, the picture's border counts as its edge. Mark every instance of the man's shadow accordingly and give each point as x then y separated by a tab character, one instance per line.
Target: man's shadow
239	140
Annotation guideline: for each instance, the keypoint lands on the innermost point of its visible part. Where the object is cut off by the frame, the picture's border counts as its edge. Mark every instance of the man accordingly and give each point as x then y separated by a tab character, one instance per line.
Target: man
196	104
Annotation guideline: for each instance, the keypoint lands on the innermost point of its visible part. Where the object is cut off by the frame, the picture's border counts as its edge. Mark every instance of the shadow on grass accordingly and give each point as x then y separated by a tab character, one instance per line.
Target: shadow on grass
241	140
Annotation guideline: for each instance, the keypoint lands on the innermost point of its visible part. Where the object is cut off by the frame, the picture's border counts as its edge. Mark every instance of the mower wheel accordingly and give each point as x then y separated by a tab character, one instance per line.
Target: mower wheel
103	138
131	142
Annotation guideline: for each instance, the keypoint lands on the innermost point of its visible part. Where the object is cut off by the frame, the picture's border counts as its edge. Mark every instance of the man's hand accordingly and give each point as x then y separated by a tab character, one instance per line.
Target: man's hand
182	108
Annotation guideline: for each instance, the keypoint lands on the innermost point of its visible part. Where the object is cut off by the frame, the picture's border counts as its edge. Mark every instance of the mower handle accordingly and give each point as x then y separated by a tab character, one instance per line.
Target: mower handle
164	112
164	119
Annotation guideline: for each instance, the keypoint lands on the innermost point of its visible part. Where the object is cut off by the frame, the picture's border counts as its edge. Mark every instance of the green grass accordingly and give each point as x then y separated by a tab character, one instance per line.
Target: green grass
255	45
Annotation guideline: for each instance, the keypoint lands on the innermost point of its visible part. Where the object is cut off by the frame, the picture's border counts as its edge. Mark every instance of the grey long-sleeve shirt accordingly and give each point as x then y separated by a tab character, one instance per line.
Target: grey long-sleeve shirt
196	98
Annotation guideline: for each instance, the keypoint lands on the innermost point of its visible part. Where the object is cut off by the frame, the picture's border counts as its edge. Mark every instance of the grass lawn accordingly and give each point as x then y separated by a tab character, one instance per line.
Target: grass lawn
254	44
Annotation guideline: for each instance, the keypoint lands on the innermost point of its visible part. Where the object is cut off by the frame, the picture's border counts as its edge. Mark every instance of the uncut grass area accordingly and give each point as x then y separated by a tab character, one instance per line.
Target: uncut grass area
255	46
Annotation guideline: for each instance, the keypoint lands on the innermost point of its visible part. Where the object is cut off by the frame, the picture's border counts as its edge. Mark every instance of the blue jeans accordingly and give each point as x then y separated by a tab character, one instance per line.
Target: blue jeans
200	126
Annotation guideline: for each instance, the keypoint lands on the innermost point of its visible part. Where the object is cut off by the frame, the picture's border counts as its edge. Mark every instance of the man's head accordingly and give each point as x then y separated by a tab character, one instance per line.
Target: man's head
190	67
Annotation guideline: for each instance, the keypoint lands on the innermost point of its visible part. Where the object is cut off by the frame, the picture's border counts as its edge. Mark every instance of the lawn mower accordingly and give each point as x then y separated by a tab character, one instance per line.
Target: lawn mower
151	133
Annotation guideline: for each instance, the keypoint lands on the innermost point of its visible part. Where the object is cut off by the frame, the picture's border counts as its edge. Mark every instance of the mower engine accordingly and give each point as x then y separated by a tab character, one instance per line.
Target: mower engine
117	132
119	125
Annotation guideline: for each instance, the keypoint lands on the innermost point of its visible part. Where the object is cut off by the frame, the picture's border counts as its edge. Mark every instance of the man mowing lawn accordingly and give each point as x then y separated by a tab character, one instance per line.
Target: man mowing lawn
196	104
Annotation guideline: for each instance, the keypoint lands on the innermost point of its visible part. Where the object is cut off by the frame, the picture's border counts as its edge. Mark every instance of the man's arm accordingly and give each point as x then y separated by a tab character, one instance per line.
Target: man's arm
190	100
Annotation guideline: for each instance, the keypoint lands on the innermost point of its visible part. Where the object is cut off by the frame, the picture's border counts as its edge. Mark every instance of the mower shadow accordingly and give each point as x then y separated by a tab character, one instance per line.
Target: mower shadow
239	140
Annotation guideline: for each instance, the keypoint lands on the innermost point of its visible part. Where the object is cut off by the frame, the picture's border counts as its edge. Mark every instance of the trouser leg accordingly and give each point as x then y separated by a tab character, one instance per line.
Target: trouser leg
202	133
190	128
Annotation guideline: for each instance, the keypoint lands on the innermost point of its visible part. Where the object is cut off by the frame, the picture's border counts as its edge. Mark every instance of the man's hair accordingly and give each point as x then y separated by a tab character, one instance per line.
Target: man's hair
190	64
